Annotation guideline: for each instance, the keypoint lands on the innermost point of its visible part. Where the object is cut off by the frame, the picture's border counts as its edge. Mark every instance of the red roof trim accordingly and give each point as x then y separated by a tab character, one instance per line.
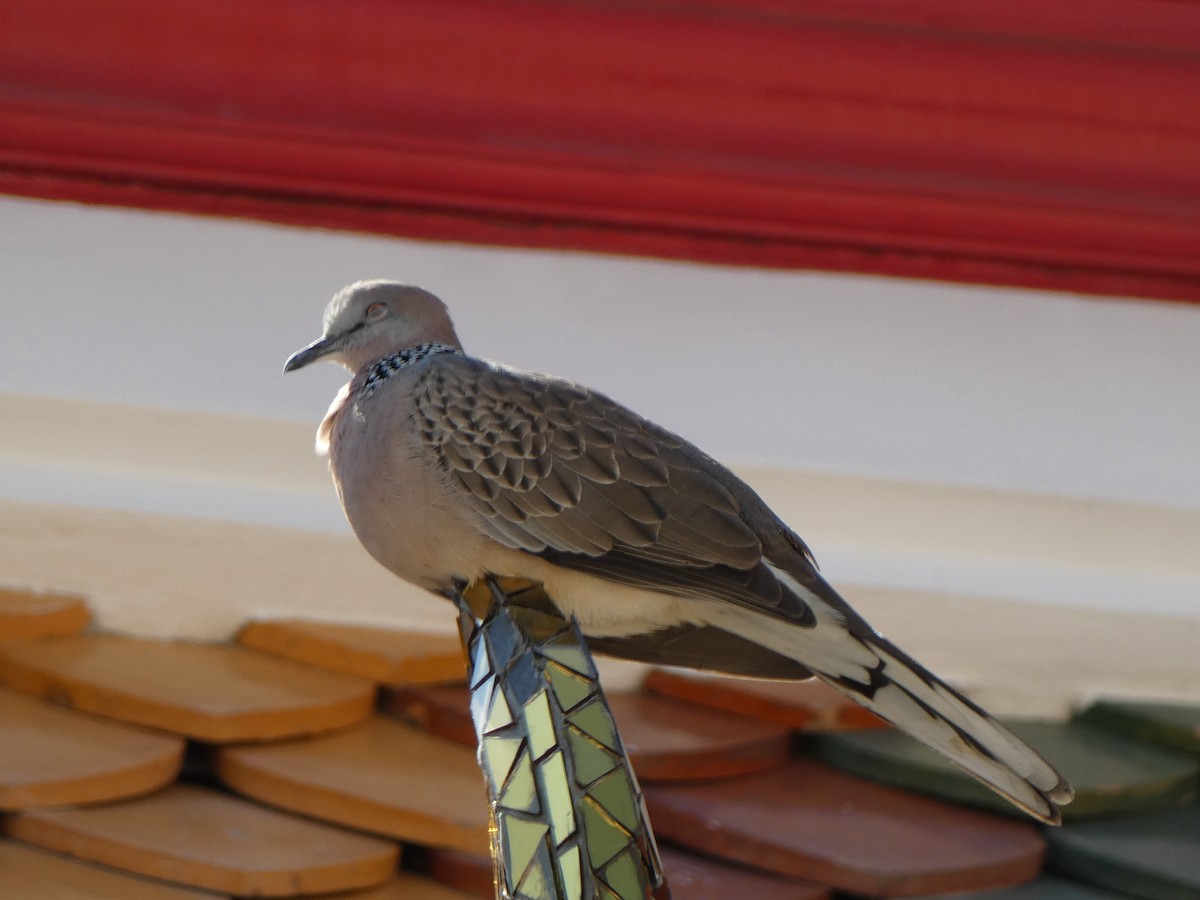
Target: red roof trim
1050	148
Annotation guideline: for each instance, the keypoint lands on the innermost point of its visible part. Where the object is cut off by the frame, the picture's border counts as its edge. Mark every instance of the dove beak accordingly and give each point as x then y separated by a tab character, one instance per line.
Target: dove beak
314	351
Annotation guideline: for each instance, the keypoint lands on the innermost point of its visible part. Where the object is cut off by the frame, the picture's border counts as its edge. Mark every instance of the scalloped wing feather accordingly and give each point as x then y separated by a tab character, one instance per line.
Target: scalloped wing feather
549	464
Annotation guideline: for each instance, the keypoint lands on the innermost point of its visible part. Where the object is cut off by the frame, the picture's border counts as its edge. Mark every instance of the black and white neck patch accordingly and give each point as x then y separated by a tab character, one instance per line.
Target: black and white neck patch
383	369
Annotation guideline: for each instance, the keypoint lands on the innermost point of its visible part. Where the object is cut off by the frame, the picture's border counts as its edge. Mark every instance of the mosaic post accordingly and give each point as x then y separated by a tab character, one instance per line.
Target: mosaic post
568	819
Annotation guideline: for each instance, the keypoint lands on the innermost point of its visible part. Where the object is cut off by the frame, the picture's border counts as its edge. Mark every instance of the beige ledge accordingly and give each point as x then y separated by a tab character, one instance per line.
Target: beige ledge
181	524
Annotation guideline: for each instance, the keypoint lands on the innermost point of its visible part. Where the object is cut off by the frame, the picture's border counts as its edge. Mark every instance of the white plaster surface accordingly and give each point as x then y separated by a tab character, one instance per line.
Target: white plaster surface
976	386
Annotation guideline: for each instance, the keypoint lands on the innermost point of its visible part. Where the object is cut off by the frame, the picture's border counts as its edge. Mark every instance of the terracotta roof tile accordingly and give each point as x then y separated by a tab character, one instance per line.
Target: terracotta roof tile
385	776
697	878
377	775
206	692
386	655
26	614
33	873
442	710
671	741
1175	725
802	706
1045	888
690	877
1154	855
810	821
54	756
210	840
405	886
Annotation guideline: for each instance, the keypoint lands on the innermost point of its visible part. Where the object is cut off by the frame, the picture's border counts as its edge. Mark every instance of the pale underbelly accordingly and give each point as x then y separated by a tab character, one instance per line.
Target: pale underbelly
602	608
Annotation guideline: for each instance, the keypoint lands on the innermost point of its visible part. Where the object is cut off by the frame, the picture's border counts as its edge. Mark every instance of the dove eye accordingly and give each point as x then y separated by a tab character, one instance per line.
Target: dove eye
376	311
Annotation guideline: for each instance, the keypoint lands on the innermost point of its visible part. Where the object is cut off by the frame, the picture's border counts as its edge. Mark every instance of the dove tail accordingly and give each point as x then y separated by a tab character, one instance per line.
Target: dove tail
906	694
845	652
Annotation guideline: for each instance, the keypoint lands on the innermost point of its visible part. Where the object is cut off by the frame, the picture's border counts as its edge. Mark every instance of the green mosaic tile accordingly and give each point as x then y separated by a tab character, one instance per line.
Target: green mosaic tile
538	881
560	799
539	626
595	720
573	657
570	873
569	689
500	715
519	842
592	759
616	793
605	837
625	875
540	724
547	736
498	756
520	793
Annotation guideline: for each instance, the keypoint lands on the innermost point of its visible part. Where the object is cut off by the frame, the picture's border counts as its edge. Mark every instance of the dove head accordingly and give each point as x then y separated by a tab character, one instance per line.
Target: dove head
370	319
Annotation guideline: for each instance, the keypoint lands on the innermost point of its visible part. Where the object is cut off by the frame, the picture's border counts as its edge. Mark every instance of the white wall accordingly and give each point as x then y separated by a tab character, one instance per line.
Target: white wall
1008	389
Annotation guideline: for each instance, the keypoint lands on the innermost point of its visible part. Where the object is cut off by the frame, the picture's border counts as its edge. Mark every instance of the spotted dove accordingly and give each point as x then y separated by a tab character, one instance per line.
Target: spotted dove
450	467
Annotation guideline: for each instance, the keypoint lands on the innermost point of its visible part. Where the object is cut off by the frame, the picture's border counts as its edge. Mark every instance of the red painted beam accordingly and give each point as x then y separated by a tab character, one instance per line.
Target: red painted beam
1052	148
